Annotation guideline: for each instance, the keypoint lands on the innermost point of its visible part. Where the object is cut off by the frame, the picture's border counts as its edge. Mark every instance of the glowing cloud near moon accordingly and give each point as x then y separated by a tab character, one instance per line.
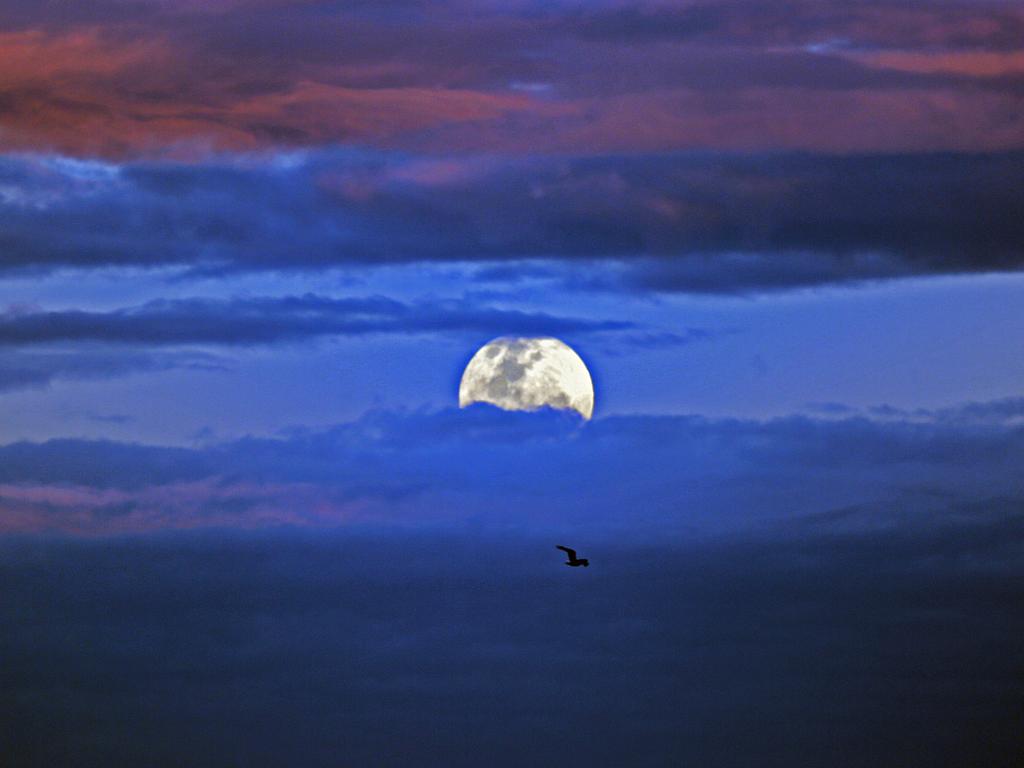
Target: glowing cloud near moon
525	374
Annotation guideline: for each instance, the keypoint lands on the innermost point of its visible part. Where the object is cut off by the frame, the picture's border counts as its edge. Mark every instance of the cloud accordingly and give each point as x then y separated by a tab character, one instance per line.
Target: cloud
129	88
47	346
93	465
1006	411
628	477
689	222
36	369
157	79
880	25
109	418
265	320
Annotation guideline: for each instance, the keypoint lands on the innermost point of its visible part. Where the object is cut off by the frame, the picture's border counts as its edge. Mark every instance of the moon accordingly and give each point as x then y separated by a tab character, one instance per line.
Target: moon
525	374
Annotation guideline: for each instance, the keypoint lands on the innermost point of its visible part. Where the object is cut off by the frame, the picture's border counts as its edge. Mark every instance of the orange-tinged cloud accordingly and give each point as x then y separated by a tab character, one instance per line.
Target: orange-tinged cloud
34	58
77	93
968	63
332	113
196	83
756	119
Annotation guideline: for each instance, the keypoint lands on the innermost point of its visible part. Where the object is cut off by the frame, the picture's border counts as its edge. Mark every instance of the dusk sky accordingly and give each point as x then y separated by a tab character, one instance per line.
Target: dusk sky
247	249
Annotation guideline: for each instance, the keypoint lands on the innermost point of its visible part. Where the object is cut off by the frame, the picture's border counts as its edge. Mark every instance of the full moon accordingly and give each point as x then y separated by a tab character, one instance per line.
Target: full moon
519	374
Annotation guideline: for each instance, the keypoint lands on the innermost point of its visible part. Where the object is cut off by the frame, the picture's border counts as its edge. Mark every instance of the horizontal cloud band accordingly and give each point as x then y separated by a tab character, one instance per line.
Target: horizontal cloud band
153	78
265	320
624	476
718	223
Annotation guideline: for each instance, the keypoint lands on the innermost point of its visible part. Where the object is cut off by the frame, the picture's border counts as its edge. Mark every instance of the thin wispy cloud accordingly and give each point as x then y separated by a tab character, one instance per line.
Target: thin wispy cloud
266	320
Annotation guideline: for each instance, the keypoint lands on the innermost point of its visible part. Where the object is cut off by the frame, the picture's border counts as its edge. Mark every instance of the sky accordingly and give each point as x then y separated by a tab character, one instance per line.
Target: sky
247	248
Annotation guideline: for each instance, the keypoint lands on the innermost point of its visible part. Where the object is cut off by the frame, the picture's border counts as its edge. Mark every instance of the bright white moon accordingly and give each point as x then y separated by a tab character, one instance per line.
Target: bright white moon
526	374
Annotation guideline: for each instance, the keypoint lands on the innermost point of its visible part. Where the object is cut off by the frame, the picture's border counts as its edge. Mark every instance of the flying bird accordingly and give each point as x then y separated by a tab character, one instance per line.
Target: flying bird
573	560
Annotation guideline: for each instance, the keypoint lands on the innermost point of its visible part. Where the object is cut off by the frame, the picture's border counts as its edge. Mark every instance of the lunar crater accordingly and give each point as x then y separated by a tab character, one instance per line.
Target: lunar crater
526	374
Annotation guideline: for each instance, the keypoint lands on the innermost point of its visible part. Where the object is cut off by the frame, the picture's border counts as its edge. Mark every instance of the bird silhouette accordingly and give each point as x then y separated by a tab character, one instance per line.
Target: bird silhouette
573	560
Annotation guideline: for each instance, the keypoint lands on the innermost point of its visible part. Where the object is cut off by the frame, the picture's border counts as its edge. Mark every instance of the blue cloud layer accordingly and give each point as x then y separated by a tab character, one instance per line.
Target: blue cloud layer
638	477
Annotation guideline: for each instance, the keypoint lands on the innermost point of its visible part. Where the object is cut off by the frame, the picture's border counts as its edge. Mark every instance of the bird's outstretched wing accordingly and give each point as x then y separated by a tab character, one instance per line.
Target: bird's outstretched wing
570	552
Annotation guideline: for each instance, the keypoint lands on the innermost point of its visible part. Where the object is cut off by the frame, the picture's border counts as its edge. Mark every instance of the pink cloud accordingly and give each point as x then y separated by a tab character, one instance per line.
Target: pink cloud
211	503
187	79
862	120
980	64
34	57
86	93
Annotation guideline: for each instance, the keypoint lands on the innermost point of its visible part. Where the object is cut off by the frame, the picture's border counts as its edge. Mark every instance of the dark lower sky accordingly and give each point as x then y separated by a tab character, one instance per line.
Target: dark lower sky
805	647
247	248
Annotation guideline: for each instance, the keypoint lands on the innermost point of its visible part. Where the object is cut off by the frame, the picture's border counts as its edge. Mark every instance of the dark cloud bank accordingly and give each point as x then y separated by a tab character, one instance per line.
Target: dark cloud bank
42	346
797	592
266	320
682	222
